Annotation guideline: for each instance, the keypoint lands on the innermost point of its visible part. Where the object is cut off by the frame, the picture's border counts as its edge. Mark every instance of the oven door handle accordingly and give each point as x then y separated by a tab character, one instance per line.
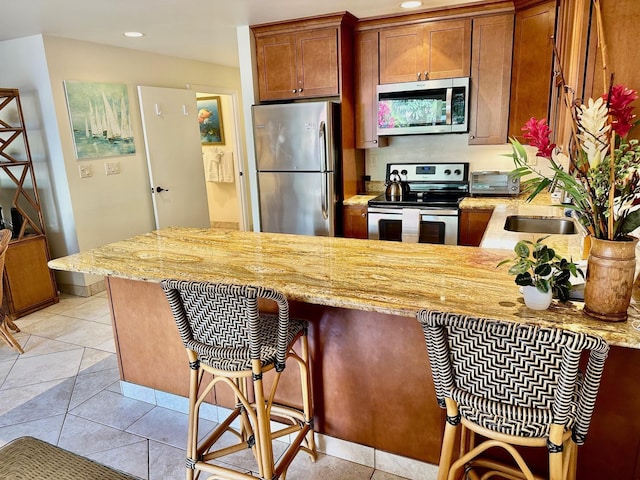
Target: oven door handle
448	105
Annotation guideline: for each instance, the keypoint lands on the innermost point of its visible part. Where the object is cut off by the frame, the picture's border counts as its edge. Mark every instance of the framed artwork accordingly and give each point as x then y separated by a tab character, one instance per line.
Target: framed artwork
210	119
100	120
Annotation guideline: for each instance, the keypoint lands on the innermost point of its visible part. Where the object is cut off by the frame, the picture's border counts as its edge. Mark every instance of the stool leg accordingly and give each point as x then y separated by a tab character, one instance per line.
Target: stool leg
555	458
192	432
307	394
263	440
448	441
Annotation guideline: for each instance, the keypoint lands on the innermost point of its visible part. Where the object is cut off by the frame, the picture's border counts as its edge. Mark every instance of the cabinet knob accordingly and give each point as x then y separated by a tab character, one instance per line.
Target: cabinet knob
363	214
294	91
375	142
419	75
426	75
300	90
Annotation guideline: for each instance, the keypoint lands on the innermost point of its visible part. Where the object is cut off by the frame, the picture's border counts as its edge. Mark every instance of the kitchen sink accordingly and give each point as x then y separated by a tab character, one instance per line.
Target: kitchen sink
533	224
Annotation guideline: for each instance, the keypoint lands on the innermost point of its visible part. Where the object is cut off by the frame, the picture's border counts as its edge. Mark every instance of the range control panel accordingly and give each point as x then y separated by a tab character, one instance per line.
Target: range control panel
430	172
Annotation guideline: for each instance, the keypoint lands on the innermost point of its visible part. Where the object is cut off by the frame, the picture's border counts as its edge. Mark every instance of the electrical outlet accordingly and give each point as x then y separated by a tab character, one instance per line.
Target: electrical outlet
85	171
112	168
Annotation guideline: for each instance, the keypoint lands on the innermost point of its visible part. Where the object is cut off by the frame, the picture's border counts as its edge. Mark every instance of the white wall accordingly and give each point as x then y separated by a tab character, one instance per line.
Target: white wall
101	209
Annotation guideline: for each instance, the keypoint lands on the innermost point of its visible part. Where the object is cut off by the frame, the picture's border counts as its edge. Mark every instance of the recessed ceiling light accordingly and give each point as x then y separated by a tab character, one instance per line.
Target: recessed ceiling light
133	34
411	4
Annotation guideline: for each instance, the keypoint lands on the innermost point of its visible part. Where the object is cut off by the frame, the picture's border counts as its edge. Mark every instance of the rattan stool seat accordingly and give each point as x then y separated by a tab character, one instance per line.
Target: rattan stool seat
28	458
514	385
227	337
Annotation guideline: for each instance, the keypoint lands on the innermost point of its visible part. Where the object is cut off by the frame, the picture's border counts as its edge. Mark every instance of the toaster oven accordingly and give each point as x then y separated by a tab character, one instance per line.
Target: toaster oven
494	183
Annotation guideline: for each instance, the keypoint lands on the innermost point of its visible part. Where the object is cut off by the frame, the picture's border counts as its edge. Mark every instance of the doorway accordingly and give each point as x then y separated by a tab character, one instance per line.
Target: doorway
222	159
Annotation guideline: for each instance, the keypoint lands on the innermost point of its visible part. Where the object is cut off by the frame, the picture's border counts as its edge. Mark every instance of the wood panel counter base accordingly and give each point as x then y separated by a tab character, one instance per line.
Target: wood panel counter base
371	380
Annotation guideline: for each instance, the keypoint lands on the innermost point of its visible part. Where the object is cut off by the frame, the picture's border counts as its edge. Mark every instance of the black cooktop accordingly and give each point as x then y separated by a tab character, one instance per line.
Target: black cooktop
416	200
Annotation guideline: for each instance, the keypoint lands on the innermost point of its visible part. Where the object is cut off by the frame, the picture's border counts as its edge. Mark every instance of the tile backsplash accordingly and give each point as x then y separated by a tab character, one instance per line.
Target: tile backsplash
436	148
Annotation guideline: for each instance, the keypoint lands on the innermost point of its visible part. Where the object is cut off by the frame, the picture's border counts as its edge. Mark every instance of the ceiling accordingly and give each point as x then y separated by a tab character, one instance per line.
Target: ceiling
195	29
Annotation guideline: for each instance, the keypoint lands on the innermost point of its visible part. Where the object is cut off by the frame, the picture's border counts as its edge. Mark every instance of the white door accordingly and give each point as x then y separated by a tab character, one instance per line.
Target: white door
174	156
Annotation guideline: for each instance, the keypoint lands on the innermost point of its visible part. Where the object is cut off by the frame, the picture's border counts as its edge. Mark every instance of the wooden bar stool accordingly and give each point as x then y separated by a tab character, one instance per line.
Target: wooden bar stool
514	385
225	335
6	324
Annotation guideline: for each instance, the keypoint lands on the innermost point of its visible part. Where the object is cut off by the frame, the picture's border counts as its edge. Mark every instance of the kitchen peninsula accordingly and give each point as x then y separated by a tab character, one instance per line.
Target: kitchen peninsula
372	383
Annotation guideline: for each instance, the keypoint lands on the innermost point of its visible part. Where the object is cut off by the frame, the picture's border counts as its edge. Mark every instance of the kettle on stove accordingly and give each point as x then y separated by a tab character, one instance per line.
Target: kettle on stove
395	190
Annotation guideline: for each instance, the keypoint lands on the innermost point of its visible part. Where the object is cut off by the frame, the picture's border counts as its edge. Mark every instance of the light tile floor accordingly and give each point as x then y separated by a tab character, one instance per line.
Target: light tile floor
65	390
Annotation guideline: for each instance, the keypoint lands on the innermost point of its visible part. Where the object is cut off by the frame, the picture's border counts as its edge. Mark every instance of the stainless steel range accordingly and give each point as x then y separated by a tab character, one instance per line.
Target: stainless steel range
420	204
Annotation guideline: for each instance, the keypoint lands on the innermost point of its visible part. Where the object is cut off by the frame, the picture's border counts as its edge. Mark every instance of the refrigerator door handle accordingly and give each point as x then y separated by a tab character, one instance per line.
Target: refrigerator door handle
323	158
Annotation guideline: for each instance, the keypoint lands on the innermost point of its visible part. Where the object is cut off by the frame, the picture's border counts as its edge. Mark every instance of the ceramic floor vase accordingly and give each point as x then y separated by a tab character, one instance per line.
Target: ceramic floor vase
609	279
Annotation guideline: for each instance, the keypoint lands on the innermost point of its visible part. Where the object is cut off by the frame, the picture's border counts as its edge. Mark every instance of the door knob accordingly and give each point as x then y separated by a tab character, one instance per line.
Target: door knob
160	189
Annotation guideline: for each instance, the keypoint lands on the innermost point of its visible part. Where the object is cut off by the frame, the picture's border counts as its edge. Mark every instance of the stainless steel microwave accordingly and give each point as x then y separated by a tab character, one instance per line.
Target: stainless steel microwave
494	182
430	106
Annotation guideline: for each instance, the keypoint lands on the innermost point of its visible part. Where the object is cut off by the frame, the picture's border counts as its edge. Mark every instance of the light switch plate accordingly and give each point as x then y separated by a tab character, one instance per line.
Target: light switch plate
85	171
112	168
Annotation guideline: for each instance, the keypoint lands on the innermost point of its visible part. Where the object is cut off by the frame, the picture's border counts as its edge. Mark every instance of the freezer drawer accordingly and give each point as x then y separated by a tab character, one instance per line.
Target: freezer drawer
303	203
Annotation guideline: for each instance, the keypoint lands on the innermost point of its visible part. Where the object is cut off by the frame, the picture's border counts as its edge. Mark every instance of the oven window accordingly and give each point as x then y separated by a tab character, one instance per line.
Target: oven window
430	232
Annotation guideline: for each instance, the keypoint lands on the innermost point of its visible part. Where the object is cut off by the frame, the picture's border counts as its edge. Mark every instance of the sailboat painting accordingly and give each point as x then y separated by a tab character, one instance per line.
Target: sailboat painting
99	114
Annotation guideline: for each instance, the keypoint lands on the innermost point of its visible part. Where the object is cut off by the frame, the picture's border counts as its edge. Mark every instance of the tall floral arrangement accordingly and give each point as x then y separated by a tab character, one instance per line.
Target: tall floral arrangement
603	179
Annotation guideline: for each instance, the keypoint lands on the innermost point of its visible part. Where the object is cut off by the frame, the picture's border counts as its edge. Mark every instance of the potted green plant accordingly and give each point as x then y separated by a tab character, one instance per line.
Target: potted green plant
542	273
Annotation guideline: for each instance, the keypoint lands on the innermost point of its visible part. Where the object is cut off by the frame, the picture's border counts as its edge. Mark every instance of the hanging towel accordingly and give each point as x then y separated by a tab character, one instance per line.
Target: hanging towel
226	167
410	225
211	166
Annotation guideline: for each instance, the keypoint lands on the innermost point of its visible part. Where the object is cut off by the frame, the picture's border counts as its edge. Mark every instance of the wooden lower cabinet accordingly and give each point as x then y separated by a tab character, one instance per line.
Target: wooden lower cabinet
472	226
29	284
355	221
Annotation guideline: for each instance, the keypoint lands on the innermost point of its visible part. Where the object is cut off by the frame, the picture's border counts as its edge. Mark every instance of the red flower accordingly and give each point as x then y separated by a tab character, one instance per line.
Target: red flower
620	108
537	134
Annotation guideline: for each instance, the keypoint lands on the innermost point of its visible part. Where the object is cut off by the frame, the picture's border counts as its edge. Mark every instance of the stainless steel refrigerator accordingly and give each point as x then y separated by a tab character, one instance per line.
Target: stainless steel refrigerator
296	160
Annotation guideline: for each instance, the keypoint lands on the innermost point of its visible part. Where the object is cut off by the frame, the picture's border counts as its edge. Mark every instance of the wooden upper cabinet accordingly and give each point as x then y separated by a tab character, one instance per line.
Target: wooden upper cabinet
432	50
366	81
401	55
532	65
295	65
276	58
490	79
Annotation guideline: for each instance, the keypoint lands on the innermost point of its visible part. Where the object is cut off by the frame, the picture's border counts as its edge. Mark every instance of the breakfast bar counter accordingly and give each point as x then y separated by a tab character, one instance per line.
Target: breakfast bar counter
372	383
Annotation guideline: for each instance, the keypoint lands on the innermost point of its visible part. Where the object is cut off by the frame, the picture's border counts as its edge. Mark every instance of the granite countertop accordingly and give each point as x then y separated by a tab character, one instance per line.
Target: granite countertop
359	200
370	275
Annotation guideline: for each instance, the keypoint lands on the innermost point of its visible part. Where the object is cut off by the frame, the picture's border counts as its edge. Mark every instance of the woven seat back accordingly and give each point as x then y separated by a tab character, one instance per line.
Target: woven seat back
222	319
512	374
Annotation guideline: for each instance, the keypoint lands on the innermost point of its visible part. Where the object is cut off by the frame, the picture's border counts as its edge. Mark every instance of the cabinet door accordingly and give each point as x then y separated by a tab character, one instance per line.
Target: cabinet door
366	73
532	65
490	79
401	54
276	62
317	62
355	221
447	46
29	284
473	223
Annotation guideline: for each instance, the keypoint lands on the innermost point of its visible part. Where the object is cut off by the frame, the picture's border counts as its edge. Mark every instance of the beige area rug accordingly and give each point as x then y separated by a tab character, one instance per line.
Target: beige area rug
28	458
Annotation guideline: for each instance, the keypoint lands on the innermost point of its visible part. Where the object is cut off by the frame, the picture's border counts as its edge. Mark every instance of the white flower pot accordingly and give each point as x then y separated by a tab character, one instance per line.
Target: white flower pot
535	299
